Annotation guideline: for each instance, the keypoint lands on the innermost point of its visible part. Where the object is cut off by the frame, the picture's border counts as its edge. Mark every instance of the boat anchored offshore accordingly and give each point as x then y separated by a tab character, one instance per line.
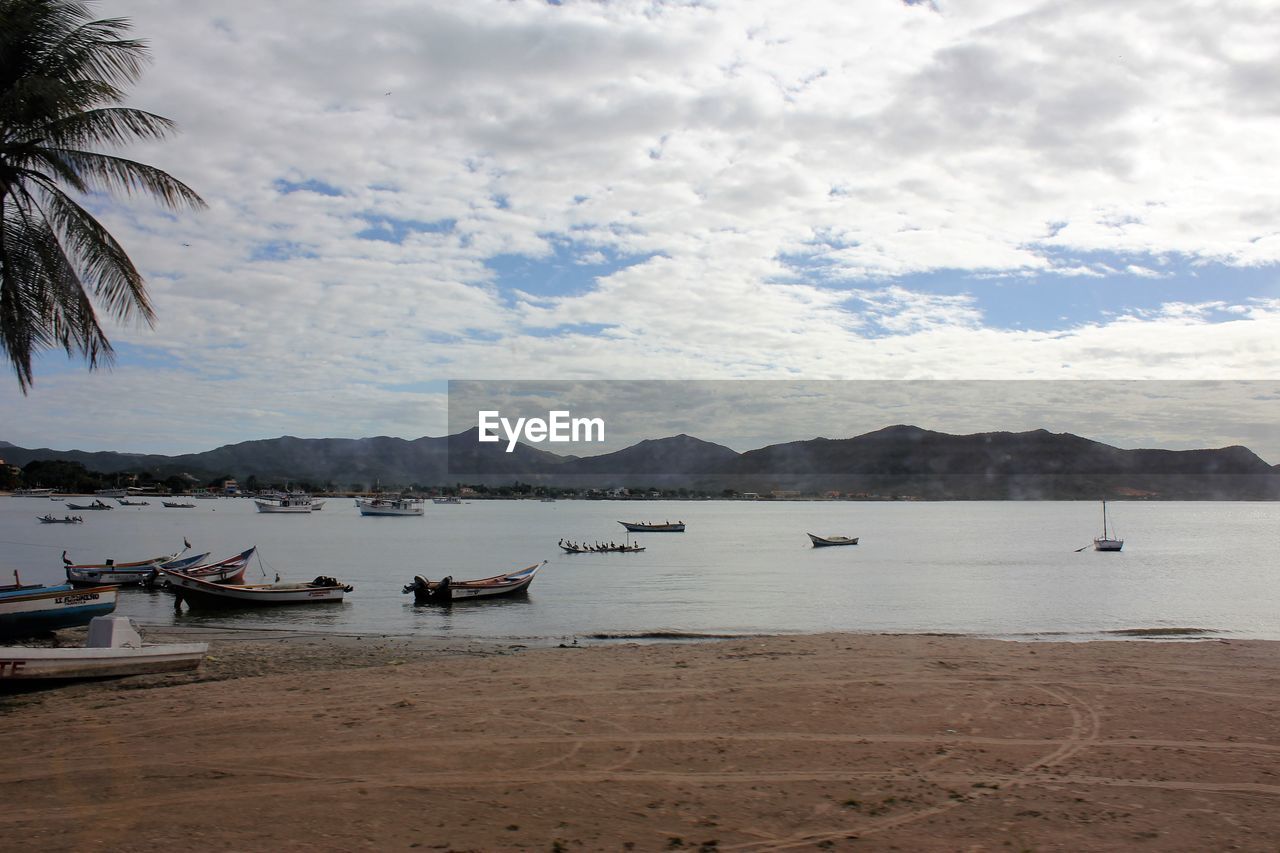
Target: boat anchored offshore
293	502
390	506
827	541
1106	542
447	590
648	527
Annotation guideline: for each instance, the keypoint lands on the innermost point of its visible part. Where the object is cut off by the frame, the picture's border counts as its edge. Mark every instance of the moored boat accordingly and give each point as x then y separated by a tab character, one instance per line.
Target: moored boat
66	519
30	609
198	592
116	574
114	648
448	499
1106	542
650	527
599	547
32	493
391	506
127	502
179	504
95	505
287	503
447	590
827	541
231	570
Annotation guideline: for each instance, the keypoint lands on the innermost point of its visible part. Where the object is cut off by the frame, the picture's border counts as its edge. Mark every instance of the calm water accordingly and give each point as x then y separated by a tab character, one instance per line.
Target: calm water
995	569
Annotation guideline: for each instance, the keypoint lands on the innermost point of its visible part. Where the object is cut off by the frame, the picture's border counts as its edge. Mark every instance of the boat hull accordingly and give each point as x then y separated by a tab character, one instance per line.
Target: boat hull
87	576
400	506
1107	544
831	541
283	508
440	592
22	663
30	611
640	527
201	593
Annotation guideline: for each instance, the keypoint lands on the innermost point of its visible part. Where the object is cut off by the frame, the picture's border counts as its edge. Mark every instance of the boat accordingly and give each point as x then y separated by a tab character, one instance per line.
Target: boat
230	570
116	574
181	564
112	493
32	493
179	504
648	527
293	502
1106	542
826	541
113	648
30	609
66	519
448	499
390	506
447	590
600	548
198	592
95	505
127	502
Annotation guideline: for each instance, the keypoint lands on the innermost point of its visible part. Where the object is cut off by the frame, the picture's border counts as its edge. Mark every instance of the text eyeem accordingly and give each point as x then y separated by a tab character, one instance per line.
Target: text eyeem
559	426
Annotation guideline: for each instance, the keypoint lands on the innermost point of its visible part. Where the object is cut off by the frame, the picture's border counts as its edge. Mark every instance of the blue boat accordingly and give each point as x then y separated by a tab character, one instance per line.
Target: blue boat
30	609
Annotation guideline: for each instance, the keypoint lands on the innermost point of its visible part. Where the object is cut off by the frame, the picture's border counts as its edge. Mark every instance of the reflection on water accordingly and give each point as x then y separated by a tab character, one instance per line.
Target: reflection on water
1002	569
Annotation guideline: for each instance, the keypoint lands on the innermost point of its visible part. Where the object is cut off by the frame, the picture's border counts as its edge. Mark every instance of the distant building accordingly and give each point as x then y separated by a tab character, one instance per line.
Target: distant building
785	493
230	487
751	496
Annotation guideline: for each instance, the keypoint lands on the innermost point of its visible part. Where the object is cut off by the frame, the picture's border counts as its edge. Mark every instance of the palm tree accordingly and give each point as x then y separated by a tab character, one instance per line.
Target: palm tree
61	74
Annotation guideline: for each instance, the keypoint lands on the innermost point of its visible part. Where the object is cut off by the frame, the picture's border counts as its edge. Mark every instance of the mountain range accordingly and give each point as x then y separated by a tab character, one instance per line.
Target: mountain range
898	460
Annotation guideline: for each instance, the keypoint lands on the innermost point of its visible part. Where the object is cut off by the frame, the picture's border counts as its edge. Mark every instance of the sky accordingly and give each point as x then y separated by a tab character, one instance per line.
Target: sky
407	192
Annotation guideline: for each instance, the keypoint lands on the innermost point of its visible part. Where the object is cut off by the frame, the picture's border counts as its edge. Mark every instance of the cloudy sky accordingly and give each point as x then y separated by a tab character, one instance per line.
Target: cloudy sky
404	192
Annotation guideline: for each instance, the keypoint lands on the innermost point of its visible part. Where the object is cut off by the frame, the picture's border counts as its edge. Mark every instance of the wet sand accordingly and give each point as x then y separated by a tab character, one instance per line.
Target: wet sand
285	742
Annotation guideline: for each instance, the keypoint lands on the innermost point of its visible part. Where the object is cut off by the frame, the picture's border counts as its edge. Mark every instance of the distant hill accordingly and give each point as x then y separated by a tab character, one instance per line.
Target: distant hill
899	460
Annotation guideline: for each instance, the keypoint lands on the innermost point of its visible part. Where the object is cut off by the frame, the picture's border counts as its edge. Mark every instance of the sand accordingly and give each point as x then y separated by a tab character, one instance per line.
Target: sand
847	742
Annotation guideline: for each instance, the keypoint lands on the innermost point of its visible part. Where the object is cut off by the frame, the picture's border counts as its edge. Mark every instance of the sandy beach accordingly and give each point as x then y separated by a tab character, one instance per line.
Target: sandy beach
287	742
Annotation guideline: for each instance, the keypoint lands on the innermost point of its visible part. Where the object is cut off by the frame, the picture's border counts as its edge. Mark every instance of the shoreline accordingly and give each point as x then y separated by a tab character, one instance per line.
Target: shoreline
779	742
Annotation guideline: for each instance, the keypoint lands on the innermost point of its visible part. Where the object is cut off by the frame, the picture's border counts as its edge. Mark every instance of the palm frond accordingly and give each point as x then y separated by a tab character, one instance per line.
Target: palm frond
116	174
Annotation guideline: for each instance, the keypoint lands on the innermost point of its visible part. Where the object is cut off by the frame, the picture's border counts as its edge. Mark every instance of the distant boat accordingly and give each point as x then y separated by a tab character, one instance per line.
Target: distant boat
599	548
30	609
391	506
197	592
179	504
83	507
32	493
127	502
112	493
826	541
66	519
114	648
447	590
293	502
449	499
647	527
1106	542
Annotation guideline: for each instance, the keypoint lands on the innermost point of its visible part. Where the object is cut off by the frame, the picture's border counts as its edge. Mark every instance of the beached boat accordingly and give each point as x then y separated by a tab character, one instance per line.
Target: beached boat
179	504
66	519
447	590
30	609
290	503
114	648
116	574
391	506
32	493
127	502
94	505
827	541
450	499
198	592
1106	542
648	527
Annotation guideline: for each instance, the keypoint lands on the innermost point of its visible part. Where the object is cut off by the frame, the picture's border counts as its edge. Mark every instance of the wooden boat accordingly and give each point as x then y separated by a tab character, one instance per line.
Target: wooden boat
290	503
66	519
1106	542
228	571
390	506
114	648
447	590
179	504
94	505
116	574
599	548
127	502
198	592
827	541
181	564
647	527
30	609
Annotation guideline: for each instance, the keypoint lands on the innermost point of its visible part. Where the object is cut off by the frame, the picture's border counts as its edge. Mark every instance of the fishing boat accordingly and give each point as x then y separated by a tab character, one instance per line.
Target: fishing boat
32	493
127	502
95	505
1106	542
230	570
181	564
198	592
116	574
599	548
114	648
390	506
179	504
649	527
30	609
827	541
293	502
447	590
66	519
448	499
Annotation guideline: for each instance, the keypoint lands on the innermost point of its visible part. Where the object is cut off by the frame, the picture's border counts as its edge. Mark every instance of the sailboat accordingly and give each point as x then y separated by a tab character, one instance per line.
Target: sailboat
1105	542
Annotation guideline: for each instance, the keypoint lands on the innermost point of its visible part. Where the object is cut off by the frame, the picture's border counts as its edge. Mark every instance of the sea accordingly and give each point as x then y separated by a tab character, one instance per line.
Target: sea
1012	570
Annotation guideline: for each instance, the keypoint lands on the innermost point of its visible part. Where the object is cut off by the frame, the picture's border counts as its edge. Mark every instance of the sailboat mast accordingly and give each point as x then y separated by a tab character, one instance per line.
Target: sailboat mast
1104	519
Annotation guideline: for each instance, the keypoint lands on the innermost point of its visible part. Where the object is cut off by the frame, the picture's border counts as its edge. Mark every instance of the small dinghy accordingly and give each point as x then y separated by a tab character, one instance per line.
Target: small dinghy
826	541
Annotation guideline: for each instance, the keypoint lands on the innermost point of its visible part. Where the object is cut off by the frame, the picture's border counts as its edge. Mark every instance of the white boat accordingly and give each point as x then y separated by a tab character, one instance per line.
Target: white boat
653	527
114	648
178	504
391	506
32	493
117	574
1106	542
450	499
291	502
828	541
201	593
